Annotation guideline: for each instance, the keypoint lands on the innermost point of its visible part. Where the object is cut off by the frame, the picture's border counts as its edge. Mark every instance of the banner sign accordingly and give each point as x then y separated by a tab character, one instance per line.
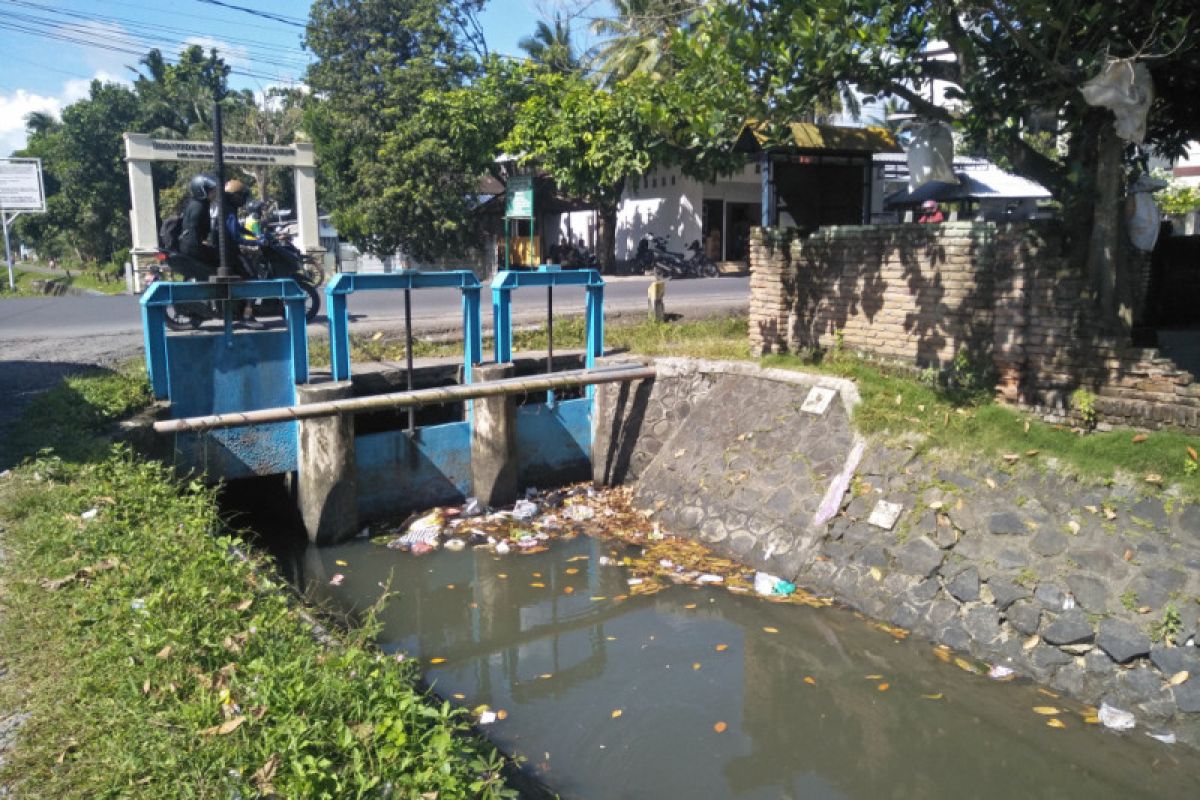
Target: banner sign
139	147
21	185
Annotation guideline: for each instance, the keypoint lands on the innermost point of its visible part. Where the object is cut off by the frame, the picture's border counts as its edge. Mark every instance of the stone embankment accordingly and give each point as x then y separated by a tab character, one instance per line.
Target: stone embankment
1091	589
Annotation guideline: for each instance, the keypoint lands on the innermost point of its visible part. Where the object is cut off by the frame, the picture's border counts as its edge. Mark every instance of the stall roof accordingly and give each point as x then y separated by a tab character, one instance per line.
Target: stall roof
990	183
807	136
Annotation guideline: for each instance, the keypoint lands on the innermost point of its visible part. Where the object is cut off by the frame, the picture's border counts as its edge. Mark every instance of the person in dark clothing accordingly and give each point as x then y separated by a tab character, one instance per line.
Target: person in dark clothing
236	195
196	226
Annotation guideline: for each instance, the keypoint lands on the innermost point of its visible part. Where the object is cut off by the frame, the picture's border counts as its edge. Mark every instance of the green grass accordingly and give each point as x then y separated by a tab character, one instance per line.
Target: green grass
77	279
156	662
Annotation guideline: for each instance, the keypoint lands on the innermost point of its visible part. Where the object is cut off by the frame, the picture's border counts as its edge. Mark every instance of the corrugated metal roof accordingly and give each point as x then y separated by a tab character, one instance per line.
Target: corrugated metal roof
977	184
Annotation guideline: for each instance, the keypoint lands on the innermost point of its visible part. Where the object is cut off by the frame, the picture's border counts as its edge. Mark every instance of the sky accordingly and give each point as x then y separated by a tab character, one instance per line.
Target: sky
51	50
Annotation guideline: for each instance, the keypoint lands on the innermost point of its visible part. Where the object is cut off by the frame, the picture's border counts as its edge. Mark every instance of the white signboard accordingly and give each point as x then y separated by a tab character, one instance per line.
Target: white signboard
142	147
21	185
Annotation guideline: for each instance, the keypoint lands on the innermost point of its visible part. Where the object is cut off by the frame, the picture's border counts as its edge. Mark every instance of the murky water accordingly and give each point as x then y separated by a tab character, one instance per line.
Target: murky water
711	704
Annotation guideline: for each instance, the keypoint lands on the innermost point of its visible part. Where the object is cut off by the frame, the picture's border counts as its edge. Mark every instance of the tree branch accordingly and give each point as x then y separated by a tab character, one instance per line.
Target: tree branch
1062	73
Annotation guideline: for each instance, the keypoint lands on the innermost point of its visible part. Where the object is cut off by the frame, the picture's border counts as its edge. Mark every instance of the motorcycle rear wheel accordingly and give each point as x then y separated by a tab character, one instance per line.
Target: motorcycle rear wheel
178	318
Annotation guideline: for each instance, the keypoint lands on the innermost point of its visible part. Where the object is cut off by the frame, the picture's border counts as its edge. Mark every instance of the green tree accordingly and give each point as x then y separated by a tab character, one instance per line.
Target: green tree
275	119
635	37
391	184
87	188
589	139
1013	62
551	46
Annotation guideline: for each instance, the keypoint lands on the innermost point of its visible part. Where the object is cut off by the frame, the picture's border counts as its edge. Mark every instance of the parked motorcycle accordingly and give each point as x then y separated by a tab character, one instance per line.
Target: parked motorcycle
667	264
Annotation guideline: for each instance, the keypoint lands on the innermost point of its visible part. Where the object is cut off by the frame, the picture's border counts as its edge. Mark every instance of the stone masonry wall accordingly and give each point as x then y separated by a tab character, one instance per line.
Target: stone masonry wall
921	294
1091	589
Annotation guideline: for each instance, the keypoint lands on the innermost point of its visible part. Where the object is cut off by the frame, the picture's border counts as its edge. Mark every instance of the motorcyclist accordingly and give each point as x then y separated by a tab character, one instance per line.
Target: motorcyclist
196	226
254	211
236	195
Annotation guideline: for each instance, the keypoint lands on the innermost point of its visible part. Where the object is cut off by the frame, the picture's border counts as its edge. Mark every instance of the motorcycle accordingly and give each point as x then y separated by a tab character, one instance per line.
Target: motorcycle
275	259
309	266
667	264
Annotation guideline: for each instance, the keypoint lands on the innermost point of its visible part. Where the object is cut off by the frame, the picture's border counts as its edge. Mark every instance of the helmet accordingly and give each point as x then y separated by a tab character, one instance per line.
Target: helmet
236	193
201	185
929	205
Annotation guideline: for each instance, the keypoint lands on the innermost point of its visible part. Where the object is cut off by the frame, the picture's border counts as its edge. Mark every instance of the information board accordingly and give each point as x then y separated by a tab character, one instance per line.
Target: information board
519	197
21	185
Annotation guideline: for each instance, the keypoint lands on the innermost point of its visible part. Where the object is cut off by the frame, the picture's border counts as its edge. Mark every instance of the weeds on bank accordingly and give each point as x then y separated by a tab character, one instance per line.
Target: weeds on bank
156	661
723	337
96	281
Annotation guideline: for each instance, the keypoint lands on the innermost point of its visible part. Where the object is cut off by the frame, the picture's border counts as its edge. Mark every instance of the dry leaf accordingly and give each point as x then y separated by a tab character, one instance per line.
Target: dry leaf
572	570
810	680
1109	513
1192	454
263	776
616	713
1047	711
877	573
1073	527
537	585
883	687
1012	458
501	575
1144	610
1027	426
226	727
937	696
1031	453
696	665
1128	555
899	399
690	605
164	654
459	696
991	483
1044	691
438	660
1031	642
341	563
146	686
1092	719
242	606
1178	678
1056	723
963	664
545	676
573	559
568	590
873	677
769	629
1092	509
1141	437
501	714
1154	478
943	655
722	648
719	727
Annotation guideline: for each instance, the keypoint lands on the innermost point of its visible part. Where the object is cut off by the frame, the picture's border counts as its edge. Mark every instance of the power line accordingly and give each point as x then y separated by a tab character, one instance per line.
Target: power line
279	54
296	21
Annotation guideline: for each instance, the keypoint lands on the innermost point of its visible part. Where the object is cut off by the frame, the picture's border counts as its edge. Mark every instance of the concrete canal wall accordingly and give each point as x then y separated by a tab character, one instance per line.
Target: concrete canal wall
1093	590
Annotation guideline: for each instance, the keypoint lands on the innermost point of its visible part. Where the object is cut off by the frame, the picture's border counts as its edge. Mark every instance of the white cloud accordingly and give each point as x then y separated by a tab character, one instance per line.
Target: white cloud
14	108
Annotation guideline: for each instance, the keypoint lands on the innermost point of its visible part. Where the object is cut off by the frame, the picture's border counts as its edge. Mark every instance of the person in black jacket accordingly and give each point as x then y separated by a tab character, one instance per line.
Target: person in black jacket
196	225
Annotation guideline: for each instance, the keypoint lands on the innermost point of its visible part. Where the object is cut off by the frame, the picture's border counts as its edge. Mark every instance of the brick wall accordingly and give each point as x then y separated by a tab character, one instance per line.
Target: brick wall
920	294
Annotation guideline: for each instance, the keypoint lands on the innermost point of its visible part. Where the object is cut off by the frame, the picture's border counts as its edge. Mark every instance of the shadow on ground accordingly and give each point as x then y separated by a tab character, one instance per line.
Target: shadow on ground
23	382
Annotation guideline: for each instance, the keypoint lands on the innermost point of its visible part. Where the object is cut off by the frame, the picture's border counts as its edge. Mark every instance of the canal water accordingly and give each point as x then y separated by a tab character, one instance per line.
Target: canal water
697	692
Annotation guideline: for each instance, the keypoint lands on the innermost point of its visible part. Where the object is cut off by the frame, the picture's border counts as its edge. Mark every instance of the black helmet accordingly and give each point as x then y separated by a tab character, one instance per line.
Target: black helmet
201	185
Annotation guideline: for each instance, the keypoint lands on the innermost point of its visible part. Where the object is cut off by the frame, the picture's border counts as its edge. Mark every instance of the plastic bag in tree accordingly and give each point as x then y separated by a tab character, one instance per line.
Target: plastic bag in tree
931	156
1142	212
1125	88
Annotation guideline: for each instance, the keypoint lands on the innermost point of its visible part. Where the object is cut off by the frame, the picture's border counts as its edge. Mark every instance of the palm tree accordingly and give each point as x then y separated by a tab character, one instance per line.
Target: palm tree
637	37
552	47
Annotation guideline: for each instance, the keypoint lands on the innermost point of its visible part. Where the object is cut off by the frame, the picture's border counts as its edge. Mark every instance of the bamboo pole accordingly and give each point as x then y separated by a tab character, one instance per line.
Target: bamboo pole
418	397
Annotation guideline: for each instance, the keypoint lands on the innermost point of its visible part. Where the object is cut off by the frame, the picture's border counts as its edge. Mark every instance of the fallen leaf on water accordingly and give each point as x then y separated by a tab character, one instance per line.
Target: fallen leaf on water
537	574
810	680
226	727
1092	509
1109	513
696	665
1047	711
438	660
596	598
877	573
1141	437
690	605
501	575
545	676
943	655
1056	723
341	563
573	559
873	677
963	664
501	714
537	585
610	638
459	696
568	590
572	570
883	687
616	713
1048	693
449	585
1178	678
937	696
722	648
769	629
1092	719
719	727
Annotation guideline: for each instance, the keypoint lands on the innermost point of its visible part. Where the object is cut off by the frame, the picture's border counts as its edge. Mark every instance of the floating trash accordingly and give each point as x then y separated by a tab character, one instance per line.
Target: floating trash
1115	718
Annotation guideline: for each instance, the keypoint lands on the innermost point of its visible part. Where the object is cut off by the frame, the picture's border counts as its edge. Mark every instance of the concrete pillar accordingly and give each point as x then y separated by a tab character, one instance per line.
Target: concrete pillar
655	296
494	440
327	477
306	200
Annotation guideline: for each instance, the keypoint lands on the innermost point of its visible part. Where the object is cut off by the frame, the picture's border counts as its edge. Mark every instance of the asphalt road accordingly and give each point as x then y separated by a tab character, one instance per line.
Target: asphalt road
37	319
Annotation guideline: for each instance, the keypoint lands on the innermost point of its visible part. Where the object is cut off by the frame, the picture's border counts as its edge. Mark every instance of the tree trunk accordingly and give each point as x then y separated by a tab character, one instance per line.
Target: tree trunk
1104	245
606	244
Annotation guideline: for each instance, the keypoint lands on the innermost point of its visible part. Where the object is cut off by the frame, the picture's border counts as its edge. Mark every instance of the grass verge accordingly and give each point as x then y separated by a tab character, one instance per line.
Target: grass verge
74	279
155	661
